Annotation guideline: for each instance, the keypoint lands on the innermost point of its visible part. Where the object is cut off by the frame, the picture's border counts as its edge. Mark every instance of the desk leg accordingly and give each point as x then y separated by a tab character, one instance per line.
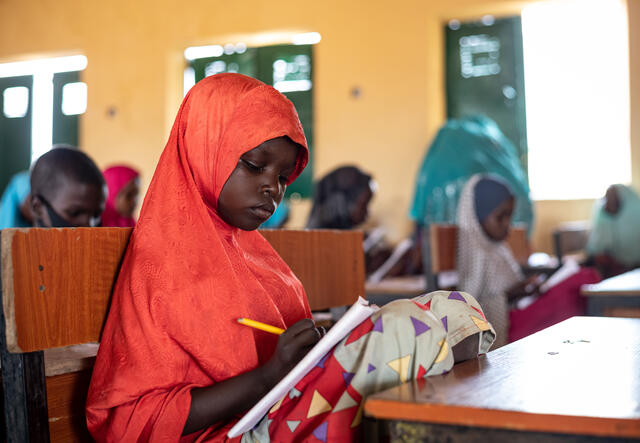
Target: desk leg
374	430
25	396
594	306
598	305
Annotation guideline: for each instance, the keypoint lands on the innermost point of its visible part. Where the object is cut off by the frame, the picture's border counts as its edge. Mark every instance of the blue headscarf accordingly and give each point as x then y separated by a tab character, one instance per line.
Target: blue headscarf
462	148
489	193
14	195
278	218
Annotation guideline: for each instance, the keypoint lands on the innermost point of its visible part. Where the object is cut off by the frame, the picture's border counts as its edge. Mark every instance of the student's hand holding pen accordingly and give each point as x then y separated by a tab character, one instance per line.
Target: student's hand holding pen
225	399
293	345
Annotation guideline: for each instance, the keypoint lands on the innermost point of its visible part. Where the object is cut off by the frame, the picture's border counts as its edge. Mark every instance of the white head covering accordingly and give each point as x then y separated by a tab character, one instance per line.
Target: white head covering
486	268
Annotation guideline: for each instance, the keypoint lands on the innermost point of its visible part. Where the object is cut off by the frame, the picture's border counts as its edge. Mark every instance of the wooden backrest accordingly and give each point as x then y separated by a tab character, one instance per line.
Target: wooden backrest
443	242
57	283
570	238
329	263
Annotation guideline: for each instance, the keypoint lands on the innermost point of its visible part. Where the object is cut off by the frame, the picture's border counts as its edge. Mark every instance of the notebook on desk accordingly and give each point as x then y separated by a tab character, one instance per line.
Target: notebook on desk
358	312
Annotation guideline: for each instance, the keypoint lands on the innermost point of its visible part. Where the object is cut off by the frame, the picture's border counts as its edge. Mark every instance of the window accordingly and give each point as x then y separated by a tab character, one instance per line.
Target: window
287	67
577	97
74	98
15	102
41	101
484	75
48	76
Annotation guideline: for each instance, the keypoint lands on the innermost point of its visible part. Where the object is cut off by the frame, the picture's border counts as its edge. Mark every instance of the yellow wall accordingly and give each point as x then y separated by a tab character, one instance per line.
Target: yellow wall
392	51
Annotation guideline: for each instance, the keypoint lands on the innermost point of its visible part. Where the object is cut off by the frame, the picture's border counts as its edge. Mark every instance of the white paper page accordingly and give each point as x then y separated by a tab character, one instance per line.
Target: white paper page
358	312
569	268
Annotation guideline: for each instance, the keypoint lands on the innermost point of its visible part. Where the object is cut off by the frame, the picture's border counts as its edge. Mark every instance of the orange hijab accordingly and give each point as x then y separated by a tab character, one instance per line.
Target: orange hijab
187	275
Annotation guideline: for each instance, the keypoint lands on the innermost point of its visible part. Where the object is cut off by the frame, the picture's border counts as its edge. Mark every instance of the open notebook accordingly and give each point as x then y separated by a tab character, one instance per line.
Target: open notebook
353	317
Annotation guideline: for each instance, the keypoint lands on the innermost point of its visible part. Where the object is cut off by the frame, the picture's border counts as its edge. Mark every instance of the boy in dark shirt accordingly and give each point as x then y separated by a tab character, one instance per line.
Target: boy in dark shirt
67	190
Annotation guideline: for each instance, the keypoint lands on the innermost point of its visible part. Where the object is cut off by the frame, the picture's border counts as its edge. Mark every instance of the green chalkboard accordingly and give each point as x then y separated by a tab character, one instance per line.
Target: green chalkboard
485	75
287	67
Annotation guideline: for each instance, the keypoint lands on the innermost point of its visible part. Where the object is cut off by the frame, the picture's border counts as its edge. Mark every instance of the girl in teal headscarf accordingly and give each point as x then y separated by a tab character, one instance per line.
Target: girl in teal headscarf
14	213
614	242
462	148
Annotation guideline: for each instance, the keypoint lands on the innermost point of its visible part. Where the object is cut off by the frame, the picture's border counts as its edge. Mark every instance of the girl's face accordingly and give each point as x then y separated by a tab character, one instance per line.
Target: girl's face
497	224
361	207
127	199
257	184
612	201
75	204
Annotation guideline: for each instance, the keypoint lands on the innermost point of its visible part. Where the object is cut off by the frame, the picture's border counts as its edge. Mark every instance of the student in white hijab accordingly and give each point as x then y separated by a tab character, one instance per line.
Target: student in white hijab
488	271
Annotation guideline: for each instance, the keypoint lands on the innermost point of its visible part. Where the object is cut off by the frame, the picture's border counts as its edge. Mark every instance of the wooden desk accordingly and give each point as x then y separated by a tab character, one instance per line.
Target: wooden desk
394	288
579	377
615	297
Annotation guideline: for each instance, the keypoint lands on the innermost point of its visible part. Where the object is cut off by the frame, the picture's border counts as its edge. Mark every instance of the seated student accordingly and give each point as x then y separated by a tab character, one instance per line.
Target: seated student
67	190
15	211
341	199
614	241
488	270
173	361
464	147
124	186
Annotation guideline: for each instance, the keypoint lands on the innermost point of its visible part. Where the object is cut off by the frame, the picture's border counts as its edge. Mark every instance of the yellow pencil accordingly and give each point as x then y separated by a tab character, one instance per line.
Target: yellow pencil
262	326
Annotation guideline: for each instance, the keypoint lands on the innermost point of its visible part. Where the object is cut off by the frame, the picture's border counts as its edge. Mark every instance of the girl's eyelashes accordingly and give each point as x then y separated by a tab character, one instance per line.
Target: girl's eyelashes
260	168
252	166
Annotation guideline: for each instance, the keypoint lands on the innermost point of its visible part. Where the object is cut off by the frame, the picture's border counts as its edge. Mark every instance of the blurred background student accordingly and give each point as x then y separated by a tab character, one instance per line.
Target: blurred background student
614	240
341	201
464	147
124	188
488	269
67	190
15	211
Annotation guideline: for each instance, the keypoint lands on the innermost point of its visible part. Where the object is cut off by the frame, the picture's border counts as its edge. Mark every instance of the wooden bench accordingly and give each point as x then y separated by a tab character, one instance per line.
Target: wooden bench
56	287
443	245
574	381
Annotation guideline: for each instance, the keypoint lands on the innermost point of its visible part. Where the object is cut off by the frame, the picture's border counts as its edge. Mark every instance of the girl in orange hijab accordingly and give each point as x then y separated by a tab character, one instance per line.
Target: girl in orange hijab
173	363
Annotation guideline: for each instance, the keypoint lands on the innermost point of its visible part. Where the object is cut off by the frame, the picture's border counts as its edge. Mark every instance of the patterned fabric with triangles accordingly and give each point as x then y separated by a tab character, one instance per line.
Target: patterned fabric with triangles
405	340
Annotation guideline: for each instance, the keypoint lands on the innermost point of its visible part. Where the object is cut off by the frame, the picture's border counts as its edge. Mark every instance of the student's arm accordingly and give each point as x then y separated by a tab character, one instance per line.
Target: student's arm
527	287
224	400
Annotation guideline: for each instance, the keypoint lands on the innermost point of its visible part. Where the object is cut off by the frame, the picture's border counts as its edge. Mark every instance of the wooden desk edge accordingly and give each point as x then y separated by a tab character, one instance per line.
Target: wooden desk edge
500	419
8	295
394	291
609	293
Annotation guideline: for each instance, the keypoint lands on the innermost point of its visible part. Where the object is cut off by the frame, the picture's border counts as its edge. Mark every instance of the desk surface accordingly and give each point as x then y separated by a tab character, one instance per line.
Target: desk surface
581	376
407	285
623	284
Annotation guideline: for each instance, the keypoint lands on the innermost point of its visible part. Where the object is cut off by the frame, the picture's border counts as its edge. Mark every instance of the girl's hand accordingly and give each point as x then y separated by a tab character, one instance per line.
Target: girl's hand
525	288
293	344
225	399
